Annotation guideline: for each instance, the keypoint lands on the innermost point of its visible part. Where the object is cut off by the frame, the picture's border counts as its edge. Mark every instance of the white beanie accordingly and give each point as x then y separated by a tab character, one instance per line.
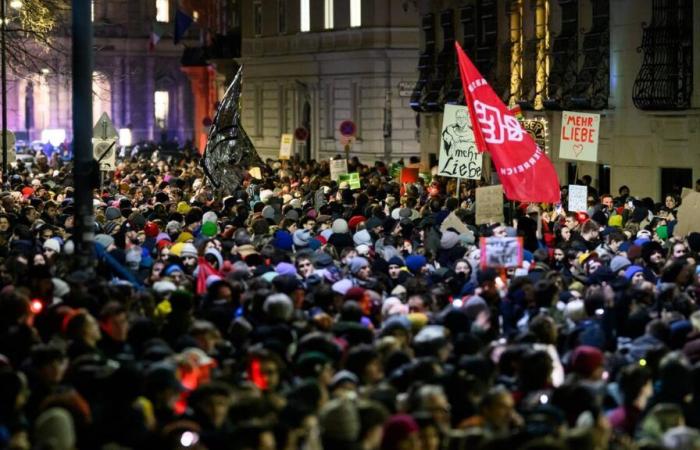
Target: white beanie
340	226
188	249
209	216
52	244
266	195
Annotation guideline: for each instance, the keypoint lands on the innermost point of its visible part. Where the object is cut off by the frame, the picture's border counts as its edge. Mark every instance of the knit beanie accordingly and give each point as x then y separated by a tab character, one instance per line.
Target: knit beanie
397	429
209	229
340	420
340	226
188	250
448	240
112	213
362	237
631	270
54	429
282	240
415	263
586	359
357	263
301	238
619	263
278	307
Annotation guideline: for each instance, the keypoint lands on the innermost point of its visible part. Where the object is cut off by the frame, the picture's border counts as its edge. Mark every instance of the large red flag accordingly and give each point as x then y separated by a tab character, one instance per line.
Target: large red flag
525	171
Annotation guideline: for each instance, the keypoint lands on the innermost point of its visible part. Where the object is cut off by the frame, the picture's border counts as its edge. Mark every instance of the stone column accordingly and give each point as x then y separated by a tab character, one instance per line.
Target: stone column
149	123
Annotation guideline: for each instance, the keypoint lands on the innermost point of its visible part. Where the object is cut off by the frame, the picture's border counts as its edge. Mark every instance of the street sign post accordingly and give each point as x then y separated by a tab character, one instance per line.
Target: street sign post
104	142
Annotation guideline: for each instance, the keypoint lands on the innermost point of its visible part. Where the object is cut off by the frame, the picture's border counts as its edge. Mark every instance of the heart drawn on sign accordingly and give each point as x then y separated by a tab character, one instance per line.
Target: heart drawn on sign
578	149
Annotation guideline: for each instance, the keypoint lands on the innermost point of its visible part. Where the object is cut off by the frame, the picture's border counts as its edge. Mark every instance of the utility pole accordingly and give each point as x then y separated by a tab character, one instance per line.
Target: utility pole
83	162
3	76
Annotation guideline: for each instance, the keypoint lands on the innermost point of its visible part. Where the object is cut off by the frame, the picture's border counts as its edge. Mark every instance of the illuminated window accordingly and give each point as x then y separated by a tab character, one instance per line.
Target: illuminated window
328	15
355	13
101	95
92	10
305	16
161	100
163	10
257	18
42	102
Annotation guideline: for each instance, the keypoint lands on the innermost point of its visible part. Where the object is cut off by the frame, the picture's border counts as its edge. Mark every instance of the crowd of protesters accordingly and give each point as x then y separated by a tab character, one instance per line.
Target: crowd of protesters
299	313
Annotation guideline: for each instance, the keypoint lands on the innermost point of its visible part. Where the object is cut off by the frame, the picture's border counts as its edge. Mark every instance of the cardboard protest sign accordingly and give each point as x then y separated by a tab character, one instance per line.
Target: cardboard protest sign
452	221
685	192
255	173
489	204
338	167
286	142
409	175
353	179
688	215
579	136
459	157
578	198
501	252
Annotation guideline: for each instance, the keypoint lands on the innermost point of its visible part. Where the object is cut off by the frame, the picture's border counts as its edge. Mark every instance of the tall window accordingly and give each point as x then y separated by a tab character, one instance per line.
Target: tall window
305	16
328	14
355	13
92	10
42	102
282	16
101	95
161	100
163	10
257	18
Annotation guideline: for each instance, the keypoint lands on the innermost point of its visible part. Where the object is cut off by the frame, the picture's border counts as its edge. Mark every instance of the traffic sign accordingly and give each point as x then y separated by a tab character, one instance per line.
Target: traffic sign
348	128
104	128
301	134
104	142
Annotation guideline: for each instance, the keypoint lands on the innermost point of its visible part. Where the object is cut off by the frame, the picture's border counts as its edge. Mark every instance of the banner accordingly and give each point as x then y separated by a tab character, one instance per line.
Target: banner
578	198
489	204
524	170
409	175
459	156
286	142
501	252
579	136
338	167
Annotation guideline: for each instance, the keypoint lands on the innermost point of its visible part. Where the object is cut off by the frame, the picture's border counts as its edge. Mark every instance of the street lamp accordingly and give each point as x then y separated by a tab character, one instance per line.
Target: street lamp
16	4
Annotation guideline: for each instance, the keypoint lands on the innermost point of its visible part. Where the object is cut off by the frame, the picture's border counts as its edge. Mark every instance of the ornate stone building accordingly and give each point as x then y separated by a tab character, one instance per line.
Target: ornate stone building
632	61
163	92
316	63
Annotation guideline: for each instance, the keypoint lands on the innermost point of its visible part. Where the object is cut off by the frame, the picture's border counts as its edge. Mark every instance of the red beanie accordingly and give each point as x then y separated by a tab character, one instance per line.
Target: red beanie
355	221
586	359
396	429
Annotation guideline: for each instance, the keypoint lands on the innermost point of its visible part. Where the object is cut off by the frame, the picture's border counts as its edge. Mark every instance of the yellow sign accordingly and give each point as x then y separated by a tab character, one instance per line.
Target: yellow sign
286	143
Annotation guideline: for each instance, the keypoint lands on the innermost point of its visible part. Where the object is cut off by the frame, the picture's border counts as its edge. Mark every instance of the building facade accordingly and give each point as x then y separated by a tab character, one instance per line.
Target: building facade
153	91
315	63
631	61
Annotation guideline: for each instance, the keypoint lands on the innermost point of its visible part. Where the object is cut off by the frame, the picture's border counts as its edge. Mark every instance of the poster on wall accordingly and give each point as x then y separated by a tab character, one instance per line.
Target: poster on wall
459	157
579	136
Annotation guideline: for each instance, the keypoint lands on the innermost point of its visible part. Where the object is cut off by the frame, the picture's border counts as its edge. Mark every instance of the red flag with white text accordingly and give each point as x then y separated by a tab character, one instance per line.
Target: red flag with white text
526	173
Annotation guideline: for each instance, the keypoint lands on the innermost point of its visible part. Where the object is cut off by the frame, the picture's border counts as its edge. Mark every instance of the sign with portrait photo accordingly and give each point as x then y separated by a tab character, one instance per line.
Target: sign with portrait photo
501	252
459	157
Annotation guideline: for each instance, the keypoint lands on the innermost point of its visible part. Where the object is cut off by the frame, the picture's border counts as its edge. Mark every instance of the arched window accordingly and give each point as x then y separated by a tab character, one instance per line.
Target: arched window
101	95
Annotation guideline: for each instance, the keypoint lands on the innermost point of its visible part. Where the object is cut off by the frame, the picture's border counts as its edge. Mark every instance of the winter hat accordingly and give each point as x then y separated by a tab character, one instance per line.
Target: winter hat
183	208
619	263
54	429
283	240
449	239
266	195
112	213
151	229
216	254
292	214
285	268
415	263
340	421
188	250
344	376
586	359
60	288
278	307
52	244
397	429
164	287
340	226
173	227
631	270
362	237
209	229
210	216
342	286
104	240
268	212
395	261
358	263
355	221
301	238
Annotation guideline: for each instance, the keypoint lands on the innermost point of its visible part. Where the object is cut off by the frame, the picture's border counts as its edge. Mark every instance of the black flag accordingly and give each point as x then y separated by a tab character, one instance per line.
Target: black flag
229	152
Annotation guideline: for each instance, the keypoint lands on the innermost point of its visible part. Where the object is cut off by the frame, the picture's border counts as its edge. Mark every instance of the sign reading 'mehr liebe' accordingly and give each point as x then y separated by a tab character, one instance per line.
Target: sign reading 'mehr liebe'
579	136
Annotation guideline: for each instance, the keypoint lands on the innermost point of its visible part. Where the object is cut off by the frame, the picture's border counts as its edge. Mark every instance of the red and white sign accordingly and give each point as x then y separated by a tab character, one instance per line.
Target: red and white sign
523	168
579	136
347	128
301	134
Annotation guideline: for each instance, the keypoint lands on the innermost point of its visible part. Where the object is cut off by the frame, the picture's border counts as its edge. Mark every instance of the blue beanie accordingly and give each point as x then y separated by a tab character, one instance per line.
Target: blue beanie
314	244
395	261
528	256
415	263
631	270
282	240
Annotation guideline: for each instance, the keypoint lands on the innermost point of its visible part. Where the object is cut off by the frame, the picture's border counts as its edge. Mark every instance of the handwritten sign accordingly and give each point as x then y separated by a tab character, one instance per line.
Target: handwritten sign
353	179
489	204
579	136
578	198
688	215
286	142
459	157
501	252
338	167
255	172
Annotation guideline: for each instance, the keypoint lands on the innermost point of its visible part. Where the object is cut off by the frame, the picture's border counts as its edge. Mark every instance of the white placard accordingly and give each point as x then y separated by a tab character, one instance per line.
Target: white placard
286	142
338	167
579	136
459	157
578	198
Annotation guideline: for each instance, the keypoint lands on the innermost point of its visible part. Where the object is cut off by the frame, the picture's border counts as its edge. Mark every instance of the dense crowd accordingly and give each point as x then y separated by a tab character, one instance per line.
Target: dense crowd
299	313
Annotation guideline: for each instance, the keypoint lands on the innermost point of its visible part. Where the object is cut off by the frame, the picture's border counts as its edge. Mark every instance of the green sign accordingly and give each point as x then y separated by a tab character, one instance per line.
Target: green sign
352	178
395	170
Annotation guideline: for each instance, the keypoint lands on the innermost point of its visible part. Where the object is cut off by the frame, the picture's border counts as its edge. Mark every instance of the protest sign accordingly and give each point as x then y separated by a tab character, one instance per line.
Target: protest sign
409	175
489	204
501	252
688	215
338	167
452	221
353	179
459	157
578	198
255	173
286	142
579	136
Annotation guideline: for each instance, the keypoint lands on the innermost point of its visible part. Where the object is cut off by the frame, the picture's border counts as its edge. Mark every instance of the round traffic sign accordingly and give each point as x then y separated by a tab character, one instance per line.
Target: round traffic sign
301	134
348	128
